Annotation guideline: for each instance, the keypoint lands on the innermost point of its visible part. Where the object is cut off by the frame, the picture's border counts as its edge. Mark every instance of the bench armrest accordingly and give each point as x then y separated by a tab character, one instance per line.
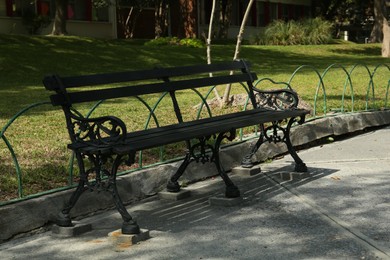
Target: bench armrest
99	131
279	99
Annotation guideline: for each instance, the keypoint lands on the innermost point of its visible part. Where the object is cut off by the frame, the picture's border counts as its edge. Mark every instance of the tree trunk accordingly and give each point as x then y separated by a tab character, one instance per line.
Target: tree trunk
208	41
386	31
224	18
386	39
188	17
59	24
208	44
226	95
161	18
377	33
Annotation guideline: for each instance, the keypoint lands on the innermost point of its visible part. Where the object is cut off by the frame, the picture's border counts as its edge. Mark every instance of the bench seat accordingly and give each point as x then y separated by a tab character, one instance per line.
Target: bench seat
154	137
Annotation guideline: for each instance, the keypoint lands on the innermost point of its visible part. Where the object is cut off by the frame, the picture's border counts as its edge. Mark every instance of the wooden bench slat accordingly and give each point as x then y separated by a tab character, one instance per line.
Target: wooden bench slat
118	92
157	73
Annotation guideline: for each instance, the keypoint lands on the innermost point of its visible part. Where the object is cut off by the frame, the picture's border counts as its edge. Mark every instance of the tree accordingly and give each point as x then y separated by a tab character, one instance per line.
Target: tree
226	95
381	30
225	12
59	24
161	8
128	12
209	35
354	16
208	49
188	19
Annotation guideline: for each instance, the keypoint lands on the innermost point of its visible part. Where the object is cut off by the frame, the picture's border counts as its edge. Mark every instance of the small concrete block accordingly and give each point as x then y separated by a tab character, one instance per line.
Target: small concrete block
246	171
224	202
123	241
182	194
290	176
75	230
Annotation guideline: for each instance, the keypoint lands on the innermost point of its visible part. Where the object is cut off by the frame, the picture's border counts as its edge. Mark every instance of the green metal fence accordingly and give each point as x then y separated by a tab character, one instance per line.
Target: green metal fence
336	89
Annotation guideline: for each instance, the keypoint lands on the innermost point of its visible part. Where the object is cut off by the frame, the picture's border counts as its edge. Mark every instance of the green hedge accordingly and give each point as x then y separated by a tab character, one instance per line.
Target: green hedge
304	32
189	42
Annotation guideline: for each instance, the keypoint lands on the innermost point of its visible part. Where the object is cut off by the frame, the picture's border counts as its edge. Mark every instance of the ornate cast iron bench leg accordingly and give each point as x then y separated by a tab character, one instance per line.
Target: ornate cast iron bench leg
276	133
129	226
173	184
63	218
247	160
231	190
300	166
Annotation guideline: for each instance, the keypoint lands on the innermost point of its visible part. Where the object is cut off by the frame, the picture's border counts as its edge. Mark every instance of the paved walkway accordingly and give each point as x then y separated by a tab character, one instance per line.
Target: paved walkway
341	212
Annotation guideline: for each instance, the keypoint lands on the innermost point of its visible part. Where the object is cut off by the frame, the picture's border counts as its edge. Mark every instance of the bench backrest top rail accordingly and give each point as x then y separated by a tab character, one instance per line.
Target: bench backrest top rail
118	77
157	80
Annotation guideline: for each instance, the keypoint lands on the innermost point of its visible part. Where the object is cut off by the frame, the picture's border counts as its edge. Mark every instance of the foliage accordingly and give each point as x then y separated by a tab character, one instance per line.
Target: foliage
309	31
100	3
189	42
354	16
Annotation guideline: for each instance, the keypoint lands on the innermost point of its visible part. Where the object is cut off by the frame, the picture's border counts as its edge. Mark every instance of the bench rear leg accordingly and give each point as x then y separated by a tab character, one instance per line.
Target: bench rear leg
232	190
300	166
173	184
247	159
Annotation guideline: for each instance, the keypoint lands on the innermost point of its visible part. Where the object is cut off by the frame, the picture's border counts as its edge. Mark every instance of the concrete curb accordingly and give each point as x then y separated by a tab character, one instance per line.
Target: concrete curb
36	213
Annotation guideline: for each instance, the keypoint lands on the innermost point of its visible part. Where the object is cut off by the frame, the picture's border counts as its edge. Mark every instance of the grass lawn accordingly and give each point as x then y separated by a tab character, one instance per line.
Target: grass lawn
39	137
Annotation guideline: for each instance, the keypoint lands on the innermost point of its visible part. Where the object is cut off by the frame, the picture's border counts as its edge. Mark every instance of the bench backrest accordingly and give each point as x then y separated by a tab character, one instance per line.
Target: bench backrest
78	89
159	80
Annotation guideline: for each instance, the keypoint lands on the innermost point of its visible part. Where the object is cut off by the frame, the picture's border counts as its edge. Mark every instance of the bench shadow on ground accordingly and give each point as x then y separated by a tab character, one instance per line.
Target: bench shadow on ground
252	228
196	209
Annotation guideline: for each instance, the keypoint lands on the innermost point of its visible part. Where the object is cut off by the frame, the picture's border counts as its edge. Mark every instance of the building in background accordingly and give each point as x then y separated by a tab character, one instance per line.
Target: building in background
86	20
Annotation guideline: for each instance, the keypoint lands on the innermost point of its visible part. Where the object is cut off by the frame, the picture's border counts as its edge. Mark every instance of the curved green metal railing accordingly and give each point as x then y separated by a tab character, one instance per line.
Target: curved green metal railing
320	93
348	84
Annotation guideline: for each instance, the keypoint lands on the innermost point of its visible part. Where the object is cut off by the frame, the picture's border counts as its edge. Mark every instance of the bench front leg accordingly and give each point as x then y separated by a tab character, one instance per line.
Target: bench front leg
129	225
63	218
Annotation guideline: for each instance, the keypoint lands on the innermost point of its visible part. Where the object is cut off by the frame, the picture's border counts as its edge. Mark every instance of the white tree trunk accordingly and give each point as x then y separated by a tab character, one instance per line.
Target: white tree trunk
386	31
208	41
208	44
386	39
226	95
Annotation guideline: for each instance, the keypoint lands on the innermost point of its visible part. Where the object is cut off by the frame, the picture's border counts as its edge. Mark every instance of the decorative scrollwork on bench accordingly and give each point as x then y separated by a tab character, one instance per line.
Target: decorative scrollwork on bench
275	133
277	100
281	99
198	150
101	131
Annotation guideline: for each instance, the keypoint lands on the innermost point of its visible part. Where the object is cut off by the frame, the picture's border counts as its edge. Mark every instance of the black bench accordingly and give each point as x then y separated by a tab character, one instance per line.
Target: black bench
103	143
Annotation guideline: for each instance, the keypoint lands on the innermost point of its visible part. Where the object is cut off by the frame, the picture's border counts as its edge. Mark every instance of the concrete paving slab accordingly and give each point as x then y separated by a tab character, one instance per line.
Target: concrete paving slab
341	211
